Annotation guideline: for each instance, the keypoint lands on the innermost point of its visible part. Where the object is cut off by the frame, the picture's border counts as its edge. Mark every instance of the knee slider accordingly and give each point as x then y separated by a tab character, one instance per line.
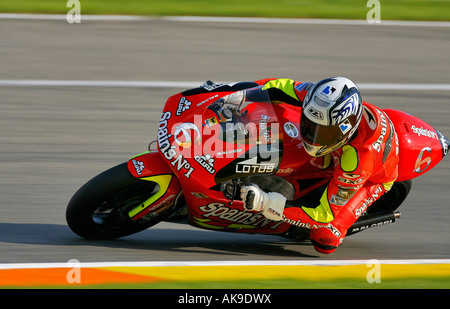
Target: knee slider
325	239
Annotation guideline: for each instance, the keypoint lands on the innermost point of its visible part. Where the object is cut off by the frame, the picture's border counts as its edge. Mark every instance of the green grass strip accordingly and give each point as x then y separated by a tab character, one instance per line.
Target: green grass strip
437	283
423	10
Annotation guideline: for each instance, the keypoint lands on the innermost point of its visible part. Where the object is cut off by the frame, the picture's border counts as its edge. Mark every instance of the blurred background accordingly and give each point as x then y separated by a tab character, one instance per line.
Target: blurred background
56	135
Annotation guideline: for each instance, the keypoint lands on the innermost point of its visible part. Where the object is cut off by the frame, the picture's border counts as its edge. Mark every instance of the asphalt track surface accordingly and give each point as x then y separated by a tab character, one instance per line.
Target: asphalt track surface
54	139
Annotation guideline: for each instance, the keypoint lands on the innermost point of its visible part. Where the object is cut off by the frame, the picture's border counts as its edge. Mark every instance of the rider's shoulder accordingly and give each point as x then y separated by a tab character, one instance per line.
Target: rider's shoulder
373	115
373	122
305	86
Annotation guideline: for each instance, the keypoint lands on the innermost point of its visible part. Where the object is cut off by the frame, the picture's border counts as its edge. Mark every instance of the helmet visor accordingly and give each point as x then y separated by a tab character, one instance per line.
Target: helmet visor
320	135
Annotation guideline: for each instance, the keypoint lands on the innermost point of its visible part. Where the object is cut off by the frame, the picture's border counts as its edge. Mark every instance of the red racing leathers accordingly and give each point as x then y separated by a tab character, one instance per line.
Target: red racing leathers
366	168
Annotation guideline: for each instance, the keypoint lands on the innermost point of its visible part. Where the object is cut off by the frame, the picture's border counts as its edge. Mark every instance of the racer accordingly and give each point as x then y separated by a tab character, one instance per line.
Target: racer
334	119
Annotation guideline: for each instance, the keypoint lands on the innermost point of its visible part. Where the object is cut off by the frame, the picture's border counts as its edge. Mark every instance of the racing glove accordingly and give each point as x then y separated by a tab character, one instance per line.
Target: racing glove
235	98
270	204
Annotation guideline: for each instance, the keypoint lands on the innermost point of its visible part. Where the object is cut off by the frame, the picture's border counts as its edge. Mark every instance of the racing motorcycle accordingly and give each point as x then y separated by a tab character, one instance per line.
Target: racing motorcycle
208	145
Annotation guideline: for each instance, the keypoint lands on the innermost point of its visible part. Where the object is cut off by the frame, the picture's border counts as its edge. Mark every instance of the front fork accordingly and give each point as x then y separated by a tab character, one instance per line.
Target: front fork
150	166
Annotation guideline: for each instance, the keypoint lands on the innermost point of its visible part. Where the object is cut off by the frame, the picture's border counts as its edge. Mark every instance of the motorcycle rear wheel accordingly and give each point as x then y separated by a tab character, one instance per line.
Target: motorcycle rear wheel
99	209
393	198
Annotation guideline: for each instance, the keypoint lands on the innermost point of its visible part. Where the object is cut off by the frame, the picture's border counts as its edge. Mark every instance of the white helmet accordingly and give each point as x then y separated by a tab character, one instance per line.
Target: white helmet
331	113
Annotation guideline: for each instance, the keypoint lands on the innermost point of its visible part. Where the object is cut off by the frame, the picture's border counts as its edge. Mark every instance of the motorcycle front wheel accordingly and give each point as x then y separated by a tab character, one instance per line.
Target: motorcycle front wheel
99	209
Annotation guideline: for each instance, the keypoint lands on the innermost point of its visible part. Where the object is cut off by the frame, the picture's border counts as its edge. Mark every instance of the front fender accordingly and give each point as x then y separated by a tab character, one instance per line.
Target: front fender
150	166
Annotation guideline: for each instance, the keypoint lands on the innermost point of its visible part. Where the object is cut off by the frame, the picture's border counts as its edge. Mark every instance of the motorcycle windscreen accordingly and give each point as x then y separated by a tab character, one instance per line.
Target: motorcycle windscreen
250	133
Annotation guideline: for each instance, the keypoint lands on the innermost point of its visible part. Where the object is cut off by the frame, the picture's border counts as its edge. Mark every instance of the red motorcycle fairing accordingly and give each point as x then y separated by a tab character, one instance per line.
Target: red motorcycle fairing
421	147
150	166
190	140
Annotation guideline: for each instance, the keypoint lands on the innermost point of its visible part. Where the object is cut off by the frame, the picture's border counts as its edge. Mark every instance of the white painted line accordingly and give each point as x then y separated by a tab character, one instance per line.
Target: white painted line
217	19
64	17
306	21
193	84
421	87
99	83
70	264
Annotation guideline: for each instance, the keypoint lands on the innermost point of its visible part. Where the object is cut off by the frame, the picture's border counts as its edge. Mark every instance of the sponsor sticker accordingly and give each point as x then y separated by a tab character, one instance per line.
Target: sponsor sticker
291	129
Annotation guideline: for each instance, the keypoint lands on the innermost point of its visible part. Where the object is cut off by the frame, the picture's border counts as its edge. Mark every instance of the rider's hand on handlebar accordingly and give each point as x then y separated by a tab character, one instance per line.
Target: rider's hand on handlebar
235	98
271	204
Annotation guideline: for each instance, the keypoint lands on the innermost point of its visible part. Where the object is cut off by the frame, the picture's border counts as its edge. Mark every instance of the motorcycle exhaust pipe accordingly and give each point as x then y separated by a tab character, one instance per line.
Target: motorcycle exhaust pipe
373	220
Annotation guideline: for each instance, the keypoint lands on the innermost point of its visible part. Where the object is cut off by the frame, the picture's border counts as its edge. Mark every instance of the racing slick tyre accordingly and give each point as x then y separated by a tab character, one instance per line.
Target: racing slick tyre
383	210
392	199
99	209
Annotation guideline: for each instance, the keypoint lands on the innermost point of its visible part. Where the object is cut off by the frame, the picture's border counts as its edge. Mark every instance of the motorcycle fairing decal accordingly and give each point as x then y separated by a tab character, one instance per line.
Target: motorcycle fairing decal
147	164
423	163
163	181
259	163
202	222
220	216
233	226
